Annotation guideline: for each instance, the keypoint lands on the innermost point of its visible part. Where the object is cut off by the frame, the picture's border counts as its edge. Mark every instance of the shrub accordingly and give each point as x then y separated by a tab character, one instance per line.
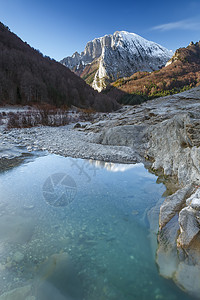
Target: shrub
1	119
13	120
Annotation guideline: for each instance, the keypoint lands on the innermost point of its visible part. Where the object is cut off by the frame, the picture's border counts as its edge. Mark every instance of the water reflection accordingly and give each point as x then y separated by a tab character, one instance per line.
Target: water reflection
113	167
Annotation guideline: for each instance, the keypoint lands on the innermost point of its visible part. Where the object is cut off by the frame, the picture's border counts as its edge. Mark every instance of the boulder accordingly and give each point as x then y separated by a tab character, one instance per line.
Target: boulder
172	204
189	226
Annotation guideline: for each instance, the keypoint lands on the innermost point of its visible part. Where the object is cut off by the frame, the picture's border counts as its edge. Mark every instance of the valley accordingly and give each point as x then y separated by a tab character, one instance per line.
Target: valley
125	108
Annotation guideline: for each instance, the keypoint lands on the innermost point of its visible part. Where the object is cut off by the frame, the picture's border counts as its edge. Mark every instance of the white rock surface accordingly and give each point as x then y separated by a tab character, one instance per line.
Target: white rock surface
189	226
118	55
194	200
172	204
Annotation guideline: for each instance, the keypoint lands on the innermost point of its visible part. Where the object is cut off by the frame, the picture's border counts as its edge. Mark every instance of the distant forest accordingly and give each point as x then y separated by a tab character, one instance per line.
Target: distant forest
28	77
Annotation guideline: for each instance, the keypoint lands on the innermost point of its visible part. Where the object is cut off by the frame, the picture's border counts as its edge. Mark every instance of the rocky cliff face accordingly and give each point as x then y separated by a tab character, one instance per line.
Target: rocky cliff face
190	54
115	56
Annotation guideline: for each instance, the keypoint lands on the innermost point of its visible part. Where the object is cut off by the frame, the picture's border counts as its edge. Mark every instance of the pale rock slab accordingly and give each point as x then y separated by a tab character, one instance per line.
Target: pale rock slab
172	205
189	226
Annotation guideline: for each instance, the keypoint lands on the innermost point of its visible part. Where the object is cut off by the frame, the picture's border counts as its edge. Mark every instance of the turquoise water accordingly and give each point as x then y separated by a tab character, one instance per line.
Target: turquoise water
76	229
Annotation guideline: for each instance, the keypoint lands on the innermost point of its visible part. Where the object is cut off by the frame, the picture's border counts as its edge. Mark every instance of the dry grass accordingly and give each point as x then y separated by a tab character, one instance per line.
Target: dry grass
46	116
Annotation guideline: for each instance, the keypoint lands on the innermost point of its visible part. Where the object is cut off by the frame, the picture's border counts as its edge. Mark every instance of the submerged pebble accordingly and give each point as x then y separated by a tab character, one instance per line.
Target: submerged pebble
18	257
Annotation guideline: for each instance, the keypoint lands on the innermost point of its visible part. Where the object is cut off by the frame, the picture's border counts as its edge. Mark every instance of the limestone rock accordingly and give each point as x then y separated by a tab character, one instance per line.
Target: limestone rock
189	226
194	200
172	205
172	147
166	254
188	278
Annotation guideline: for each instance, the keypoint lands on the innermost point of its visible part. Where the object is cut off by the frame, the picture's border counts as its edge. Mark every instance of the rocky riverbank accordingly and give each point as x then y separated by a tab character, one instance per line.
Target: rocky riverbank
164	134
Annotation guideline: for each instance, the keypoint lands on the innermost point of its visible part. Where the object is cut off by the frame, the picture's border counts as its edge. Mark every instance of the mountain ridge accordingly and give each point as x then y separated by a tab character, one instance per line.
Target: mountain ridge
114	56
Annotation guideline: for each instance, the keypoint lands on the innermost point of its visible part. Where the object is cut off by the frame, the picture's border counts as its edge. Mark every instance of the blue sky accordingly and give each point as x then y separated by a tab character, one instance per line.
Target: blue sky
59	28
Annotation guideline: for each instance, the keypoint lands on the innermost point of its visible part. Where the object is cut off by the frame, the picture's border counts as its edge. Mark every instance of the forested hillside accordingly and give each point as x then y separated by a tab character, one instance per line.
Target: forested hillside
27	77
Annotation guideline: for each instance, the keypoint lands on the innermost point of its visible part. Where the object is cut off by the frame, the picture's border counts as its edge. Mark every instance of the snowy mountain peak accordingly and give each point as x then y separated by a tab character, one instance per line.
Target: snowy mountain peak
127	35
110	57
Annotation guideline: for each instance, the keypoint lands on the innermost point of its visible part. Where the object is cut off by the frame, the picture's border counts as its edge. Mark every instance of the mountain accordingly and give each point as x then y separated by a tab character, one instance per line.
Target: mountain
181	72
27	77
108	58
